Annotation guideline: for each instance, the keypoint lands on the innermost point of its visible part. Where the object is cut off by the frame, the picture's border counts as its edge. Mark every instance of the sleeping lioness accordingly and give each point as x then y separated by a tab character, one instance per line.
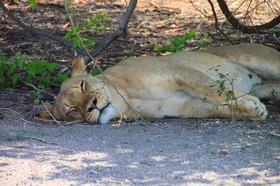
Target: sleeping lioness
176	85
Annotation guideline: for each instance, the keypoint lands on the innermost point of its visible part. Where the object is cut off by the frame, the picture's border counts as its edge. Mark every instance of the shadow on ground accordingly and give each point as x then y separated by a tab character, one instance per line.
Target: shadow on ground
165	152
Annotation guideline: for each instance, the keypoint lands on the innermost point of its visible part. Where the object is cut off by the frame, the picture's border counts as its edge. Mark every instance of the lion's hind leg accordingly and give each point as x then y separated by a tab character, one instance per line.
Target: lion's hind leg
268	91
243	108
196	84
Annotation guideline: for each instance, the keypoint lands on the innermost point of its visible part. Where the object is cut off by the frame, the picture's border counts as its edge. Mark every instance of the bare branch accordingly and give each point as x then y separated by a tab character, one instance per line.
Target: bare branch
259	29
191	1
39	31
216	22
37	89
120	31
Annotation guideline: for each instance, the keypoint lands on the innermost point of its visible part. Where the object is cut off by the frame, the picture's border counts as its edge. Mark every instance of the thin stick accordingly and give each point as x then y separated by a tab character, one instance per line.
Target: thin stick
50	113
198	9
37	89
39	139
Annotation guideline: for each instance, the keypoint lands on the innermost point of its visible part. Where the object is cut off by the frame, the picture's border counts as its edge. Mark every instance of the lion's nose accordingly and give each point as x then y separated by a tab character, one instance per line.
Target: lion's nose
92	106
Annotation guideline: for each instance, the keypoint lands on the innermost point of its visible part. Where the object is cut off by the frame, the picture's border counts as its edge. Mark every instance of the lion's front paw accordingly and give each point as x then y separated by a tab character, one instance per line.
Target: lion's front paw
102	101
92	116
251	108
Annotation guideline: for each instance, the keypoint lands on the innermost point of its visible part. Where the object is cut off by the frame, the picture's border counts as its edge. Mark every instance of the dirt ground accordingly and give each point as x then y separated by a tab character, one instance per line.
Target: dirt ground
161	152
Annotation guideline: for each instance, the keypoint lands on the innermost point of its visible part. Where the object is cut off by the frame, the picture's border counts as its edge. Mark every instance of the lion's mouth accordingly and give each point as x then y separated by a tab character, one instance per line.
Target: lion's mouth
95	111
93	106
106	106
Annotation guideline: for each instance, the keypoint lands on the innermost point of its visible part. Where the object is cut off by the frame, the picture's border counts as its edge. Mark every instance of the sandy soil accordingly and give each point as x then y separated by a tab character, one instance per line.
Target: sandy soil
162	152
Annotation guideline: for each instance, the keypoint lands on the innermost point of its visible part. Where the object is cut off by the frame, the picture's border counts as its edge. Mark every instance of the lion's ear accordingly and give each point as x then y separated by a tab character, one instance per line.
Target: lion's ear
46	115
78	67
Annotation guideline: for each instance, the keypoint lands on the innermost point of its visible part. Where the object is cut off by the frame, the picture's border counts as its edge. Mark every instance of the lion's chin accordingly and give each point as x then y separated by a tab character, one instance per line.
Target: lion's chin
107	113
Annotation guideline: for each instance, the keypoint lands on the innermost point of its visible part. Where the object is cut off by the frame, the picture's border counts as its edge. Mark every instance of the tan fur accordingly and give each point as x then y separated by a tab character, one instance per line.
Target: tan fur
173	85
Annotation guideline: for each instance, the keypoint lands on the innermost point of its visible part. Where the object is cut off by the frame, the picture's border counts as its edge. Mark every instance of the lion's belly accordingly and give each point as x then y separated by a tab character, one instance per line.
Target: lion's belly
179	104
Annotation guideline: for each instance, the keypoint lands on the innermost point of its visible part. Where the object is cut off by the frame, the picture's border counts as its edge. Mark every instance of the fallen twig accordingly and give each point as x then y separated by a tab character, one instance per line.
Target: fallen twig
274	134
50	113
39	139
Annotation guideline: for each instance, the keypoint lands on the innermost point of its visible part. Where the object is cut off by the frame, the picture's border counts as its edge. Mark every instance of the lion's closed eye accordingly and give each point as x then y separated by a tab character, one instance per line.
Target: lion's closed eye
70	109
83	86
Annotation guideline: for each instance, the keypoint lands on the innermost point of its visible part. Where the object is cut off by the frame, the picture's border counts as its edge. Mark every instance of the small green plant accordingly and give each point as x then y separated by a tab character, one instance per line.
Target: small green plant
95	72
79	34
32	3
206	38
97	24
230	98
176	44
16	70
37	94
21	135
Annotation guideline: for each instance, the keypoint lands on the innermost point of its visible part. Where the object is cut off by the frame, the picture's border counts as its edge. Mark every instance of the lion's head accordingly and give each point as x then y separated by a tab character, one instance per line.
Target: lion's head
81	97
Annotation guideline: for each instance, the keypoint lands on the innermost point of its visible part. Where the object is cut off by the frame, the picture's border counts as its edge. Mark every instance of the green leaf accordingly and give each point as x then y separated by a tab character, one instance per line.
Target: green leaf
221	76
32	67
20	62
68	34
163	48
17	54
76	29
69	3
11	69
15	79
180	48
190	35
50	66
33	4
104	15
28	78
60	78
76	42
3	58
46	81
2	64
211	85
89	25
90	42
95	72
176	42
157	49
36	67
41	87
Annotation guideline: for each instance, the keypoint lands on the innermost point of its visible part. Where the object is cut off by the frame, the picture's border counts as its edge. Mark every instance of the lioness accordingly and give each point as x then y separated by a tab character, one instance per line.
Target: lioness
174	85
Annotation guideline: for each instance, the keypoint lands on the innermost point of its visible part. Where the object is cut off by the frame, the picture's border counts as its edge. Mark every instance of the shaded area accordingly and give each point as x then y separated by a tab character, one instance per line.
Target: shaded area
160	153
